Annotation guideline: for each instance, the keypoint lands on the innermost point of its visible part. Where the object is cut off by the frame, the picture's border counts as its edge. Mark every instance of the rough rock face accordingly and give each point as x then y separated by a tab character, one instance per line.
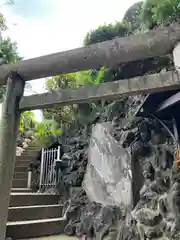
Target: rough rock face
88	218
155	214
155	210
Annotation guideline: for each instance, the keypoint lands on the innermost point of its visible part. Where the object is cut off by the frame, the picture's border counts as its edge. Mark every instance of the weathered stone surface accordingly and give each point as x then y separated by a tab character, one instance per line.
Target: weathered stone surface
157	42
109	90
158	207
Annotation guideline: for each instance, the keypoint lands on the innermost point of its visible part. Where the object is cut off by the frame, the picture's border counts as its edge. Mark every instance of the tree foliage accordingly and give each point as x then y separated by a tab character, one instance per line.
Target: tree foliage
69	114
40	130
132	15
8	50
60	114
160	12
9	54
107	32
26	122
3	26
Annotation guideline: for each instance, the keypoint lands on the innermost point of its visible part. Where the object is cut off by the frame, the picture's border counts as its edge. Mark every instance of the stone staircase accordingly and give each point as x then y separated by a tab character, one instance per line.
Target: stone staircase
31	214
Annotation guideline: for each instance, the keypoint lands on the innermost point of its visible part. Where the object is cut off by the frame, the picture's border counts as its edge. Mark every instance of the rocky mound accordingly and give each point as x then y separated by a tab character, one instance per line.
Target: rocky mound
154	211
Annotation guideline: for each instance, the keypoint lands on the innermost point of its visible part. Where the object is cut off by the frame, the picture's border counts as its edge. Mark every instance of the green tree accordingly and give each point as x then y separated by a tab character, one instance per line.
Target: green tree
107	32
3	26
8	50
66	114
79	115
132	16
27	121
43	132
159	12
130	69
9	54
61	114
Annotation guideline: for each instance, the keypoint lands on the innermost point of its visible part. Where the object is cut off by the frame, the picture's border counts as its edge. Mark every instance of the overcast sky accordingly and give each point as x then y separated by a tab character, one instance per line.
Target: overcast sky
42	27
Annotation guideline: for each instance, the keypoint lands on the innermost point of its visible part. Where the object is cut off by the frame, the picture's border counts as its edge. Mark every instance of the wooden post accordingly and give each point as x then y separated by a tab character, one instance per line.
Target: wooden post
9	126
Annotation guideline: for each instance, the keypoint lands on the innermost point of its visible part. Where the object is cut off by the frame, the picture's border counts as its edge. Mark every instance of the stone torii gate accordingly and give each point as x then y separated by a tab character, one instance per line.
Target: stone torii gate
153	43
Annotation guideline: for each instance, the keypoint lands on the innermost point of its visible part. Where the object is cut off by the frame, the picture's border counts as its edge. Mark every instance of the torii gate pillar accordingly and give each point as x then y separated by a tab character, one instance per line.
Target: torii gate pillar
9	126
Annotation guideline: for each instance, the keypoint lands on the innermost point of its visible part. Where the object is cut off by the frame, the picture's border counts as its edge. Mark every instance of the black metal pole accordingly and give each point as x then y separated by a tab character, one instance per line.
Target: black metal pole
9	126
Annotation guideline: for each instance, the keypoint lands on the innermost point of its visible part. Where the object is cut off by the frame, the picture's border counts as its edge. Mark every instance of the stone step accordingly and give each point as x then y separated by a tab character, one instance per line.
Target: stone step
23	213
35	228
32	153
32	150
24	158
19	183
35	148
20	175
20	190
22	163
28	199
21	169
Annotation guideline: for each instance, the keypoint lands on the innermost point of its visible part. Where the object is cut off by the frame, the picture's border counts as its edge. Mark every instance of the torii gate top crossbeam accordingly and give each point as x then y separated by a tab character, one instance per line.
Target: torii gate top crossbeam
153	43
